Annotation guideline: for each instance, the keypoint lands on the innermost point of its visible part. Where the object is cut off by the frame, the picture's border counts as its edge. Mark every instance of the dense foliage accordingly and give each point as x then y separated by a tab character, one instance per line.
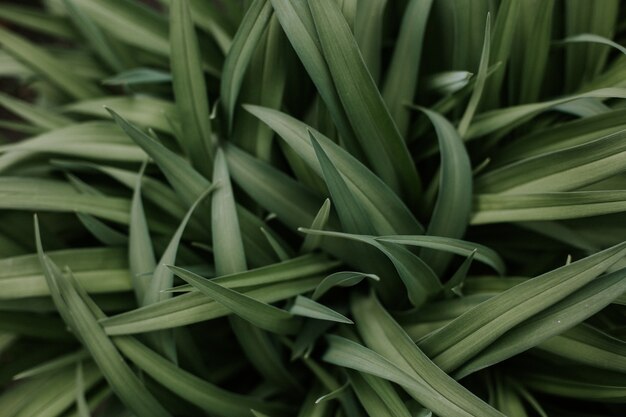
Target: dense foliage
313	208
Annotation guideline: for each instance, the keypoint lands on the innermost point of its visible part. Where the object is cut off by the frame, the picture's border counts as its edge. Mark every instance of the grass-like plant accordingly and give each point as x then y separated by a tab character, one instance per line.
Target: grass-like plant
313	208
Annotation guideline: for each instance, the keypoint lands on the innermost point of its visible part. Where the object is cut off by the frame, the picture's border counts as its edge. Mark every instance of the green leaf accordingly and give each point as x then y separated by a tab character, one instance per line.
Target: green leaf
497	208
567	169
459	247
162	278
81	402
230	258
47	66
562	136
333	394
311	242
455	283
94	36
580	383
368	28
58	396
139	76
341	279
345	398
448	82
306	307
402	75
555	320
154	190
302	266
505	119
257	312
590	346
119	152
70	139
143	110
54	364
264	86
346	353
531	41
296	20
373	195
205	395
377	133
144	28
228	250
420	281
51	195
102	231
190	89
80	318
353	217
584	62
196	307
377	395
452	209
187	182
293	203
36	20
211	19
36	115
281	251
383	335
481	78
501	40
98	270
240	54
140	252
33	325
260	349
592	38
470	333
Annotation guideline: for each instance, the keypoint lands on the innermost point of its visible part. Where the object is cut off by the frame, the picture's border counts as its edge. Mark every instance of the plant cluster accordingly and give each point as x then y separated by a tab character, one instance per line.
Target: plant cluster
313	208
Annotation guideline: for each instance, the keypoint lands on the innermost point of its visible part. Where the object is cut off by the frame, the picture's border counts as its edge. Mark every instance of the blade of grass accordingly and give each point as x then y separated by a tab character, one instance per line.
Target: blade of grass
498	208
45	118
296	20
190	88
368	27
377	133
47	66
143	110
459	247
196	307
402	76
312	242
470	333
257	312
568	169
80	318
555	320
145	28
341	279
240	53
140	251
420	281
481	78
205	395
306	307
375	197
504	119
94	36
452	209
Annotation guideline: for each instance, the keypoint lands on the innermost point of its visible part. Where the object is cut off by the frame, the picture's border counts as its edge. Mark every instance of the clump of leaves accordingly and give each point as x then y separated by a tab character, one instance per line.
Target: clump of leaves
313	208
